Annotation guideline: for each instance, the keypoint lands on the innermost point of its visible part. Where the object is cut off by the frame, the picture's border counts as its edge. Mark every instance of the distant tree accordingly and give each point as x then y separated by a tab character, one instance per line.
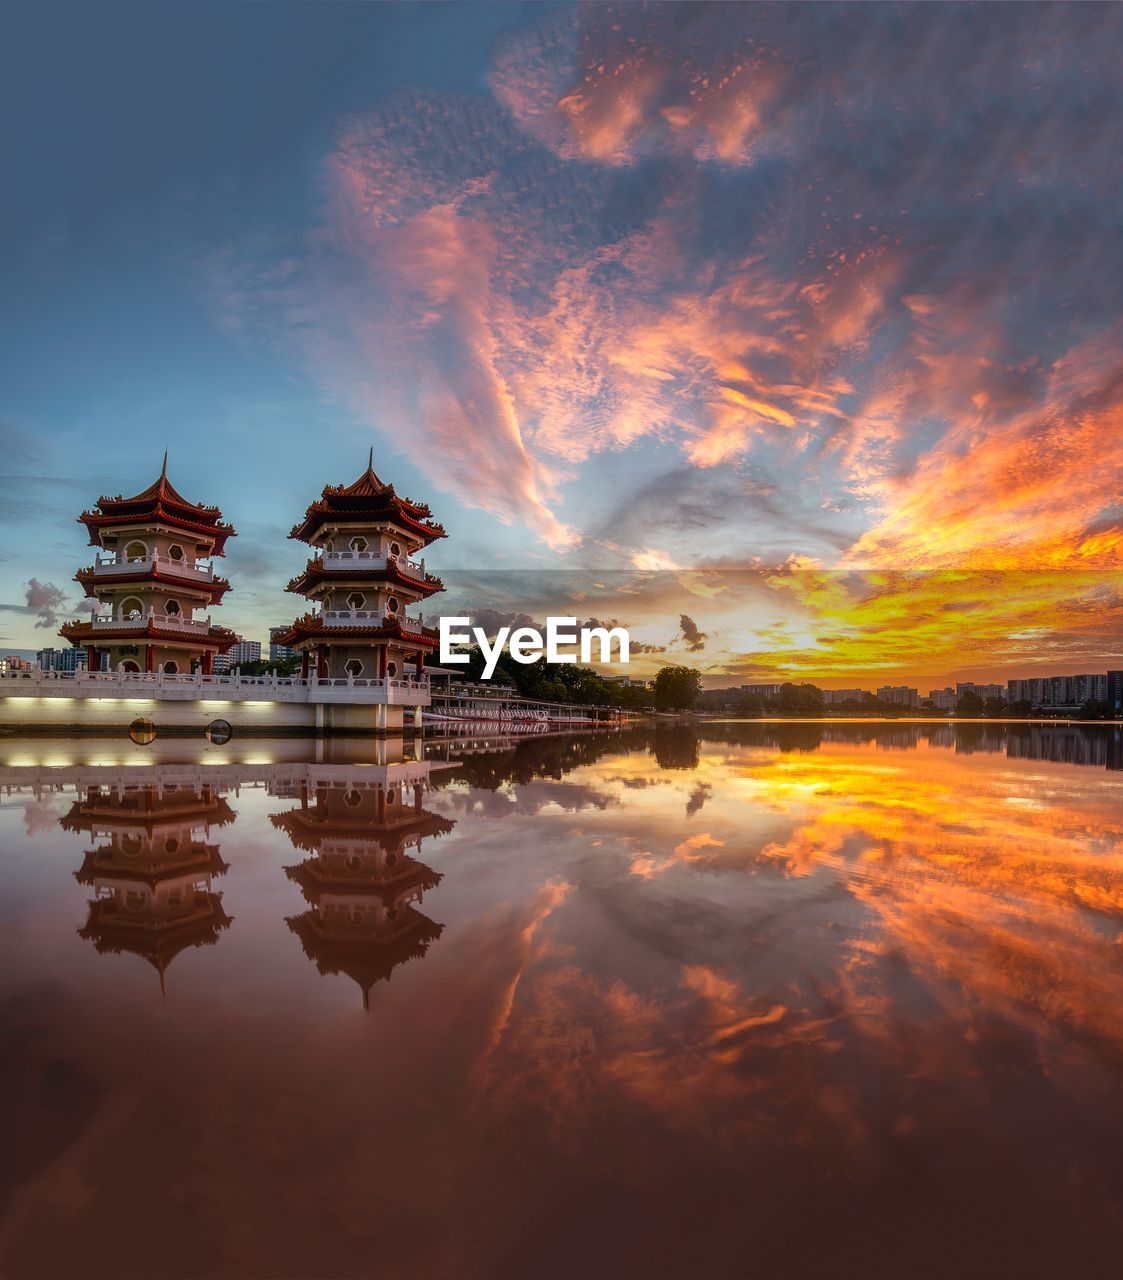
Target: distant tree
995	708
263	666
929	707
799	700
676	688
969	704
748	706
1094	710
1020	708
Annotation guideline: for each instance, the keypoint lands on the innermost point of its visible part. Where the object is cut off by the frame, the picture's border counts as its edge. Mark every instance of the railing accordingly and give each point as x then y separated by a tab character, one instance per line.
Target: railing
352	617
106	566
371	560
170	621
181	685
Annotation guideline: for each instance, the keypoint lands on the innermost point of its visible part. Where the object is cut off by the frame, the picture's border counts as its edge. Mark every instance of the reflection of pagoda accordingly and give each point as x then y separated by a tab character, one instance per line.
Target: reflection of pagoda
360	882
152	873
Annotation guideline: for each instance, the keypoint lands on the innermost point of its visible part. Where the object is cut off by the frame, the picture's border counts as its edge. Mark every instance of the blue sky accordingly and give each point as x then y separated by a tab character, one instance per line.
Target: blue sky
814	289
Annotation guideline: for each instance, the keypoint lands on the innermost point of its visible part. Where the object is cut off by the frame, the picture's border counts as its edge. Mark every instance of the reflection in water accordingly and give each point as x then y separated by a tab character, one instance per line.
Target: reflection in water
360	882
151	874
737	998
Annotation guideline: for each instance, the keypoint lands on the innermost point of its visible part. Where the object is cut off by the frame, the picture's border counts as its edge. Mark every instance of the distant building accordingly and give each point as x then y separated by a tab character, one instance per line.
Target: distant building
64	661
13	663
899	695
942	698
245	651
762	690
1062	691
277	650
983	691
832	697
221	664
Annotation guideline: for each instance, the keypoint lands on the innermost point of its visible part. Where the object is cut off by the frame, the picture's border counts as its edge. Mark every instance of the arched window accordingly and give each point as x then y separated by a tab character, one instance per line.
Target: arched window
131	609
136	551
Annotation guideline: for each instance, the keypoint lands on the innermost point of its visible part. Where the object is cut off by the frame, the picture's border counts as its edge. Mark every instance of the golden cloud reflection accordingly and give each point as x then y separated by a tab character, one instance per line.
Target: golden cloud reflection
849	909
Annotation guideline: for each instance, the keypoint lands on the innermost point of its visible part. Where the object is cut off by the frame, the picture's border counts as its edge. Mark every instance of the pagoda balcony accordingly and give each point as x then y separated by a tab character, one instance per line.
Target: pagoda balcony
107	566
166	621
370	617
371	560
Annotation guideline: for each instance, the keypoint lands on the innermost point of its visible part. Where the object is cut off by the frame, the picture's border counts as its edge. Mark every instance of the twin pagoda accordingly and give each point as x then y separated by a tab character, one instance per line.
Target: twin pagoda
154	574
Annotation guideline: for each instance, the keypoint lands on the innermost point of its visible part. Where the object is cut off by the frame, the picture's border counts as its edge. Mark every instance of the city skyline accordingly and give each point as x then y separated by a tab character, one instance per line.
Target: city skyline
676	305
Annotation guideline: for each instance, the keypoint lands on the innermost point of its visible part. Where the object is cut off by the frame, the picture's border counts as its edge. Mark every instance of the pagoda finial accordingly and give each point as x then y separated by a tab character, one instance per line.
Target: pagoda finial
164	468
370	459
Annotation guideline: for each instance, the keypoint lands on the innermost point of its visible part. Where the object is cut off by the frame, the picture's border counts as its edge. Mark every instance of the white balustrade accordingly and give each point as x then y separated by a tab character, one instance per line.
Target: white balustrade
371	560
107	566
169	621
355	617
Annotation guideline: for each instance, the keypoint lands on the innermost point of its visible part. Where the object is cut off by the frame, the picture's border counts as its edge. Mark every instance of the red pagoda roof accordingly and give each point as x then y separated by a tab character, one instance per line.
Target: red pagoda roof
82	633
160	503
104	810
310	627
215	588
315	879
196	859
314	572
367	499
308	828
365	960
112	933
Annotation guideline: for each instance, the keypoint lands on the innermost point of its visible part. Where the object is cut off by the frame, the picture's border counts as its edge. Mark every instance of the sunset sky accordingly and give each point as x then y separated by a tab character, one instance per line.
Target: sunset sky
789	336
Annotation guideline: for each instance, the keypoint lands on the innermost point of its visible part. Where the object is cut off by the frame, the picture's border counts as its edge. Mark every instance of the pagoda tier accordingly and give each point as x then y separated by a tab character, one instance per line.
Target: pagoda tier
364	581
158	505
156	571
366	949
318	578
208	591
198	922
366	502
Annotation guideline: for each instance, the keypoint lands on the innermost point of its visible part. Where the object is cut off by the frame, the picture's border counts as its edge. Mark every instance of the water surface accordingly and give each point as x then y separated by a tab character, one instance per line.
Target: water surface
786	1000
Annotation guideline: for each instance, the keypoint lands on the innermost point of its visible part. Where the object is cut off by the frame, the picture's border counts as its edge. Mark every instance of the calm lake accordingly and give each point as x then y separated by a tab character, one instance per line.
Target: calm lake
740	1000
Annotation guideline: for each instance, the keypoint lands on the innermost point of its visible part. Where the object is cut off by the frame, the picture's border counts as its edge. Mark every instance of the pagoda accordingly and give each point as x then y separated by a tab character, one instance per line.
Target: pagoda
363	582
153	572
360	881
152	872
